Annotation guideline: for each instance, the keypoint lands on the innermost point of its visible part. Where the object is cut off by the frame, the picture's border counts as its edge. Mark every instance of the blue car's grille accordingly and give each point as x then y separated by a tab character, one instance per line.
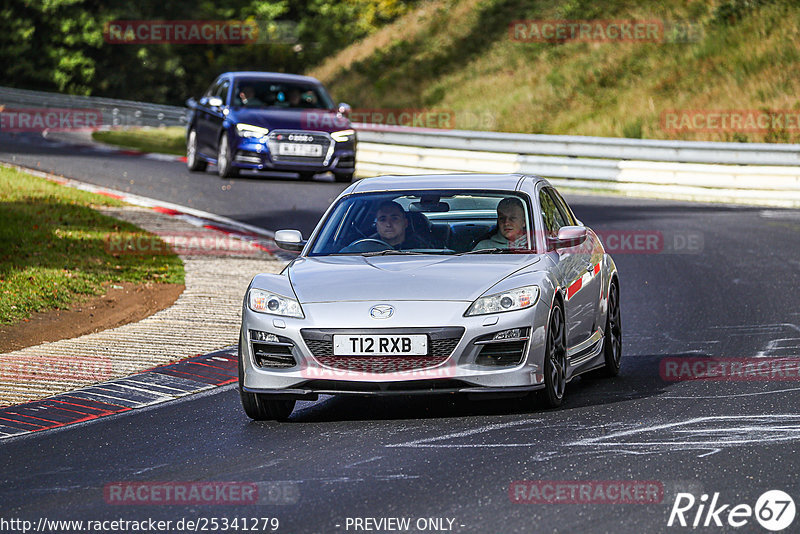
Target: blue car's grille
298	138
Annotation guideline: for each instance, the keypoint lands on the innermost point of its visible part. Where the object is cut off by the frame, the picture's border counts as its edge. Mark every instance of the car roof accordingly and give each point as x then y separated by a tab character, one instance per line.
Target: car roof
278	76
504	182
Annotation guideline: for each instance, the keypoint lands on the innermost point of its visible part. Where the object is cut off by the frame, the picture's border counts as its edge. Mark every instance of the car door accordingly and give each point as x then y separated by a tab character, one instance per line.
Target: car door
209	118
591	252
203	122
570	267
218	114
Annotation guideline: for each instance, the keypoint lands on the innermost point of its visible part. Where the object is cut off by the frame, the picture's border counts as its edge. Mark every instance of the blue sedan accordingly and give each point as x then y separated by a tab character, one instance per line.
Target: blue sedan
270	122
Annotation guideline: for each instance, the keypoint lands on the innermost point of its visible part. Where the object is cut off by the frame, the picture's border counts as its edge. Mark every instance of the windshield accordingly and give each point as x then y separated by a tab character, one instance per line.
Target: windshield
284	95
427	222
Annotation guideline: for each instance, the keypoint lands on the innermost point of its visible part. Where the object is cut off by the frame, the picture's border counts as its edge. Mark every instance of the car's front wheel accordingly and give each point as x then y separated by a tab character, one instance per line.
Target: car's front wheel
225	166
260	407
555	360
193	161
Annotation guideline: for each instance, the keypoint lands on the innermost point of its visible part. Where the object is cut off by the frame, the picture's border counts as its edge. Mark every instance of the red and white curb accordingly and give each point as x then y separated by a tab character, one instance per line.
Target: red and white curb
258	237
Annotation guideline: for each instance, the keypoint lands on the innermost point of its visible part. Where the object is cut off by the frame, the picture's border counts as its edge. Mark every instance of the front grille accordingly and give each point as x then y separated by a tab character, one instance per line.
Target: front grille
272	356
441	344
282	136
381	364
501	354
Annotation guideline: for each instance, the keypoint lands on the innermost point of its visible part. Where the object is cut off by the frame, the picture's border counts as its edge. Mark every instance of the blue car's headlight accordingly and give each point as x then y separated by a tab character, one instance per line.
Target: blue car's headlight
266	302
248	130
515	299
343	136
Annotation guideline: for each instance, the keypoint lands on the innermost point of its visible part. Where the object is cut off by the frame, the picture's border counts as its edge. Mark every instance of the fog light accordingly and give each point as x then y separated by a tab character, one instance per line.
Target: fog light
514	333
257	335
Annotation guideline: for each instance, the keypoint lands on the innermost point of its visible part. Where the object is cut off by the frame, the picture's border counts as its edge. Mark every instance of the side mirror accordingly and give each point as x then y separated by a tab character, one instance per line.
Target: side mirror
569	236
215	102
344	109
290	240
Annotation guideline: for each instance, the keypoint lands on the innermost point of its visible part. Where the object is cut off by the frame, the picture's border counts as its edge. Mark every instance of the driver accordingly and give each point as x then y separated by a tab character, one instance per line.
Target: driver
247	96
511	227
392	225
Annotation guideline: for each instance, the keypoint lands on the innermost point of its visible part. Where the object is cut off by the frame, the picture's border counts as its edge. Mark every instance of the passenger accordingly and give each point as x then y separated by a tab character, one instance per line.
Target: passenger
511	227
392	225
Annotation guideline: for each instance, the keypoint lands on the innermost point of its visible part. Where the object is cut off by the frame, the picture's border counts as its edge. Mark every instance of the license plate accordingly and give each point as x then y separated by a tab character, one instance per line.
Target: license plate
298	149
380	345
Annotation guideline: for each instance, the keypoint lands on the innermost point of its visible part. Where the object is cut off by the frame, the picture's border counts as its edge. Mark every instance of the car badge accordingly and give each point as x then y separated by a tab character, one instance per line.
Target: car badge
381	311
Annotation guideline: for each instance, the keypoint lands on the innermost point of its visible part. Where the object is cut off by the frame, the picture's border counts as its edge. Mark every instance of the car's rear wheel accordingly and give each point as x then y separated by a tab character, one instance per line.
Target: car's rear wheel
555	360
193	161
612	340
225	166
260	407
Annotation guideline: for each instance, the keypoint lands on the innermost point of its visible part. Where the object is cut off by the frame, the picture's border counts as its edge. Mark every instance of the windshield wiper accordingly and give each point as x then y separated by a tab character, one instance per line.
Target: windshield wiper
391	252
499	251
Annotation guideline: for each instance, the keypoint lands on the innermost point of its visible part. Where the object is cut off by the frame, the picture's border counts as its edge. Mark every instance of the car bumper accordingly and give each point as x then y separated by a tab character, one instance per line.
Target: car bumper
252	153
460	355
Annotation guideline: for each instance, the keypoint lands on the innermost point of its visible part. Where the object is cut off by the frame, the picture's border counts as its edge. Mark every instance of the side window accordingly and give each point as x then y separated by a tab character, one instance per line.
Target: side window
212	88
562	204
222	91
553	219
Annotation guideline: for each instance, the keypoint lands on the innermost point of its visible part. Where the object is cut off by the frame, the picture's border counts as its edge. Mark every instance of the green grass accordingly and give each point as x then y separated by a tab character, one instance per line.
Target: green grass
170	140
457	55
53	247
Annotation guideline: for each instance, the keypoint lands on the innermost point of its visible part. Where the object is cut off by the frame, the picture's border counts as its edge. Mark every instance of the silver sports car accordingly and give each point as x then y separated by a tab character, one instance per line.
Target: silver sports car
476	284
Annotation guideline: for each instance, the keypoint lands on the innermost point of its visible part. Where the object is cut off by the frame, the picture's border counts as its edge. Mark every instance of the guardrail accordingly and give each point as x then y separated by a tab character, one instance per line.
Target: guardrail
753	173
116	113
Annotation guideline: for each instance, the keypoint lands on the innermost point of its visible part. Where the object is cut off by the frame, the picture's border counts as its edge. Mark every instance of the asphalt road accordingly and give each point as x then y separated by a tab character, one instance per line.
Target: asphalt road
441	457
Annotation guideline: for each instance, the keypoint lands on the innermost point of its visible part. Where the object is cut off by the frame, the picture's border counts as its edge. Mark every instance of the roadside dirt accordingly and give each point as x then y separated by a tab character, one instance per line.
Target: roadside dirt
121	303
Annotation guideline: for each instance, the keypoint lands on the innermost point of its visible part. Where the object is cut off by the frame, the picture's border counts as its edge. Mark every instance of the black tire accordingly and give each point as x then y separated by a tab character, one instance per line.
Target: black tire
307	176
259	407
612	336
555	360
225	167
193	162
343	178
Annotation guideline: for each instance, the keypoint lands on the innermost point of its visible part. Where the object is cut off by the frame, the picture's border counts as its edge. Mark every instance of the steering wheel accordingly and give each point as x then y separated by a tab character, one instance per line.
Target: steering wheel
368	244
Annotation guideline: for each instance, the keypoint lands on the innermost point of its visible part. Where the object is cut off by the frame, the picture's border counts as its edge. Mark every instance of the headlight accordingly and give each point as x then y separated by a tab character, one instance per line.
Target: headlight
248	130
265	302
516	299
343	136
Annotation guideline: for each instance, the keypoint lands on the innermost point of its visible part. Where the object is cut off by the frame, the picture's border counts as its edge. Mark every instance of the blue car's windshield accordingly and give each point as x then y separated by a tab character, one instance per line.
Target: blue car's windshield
426	222
280	94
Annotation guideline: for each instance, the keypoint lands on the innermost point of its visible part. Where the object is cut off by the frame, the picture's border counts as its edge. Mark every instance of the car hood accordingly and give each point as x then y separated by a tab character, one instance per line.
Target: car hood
280	119
359	278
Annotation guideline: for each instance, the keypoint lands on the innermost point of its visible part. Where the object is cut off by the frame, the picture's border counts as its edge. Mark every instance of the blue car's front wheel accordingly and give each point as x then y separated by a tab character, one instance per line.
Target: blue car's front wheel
225	166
